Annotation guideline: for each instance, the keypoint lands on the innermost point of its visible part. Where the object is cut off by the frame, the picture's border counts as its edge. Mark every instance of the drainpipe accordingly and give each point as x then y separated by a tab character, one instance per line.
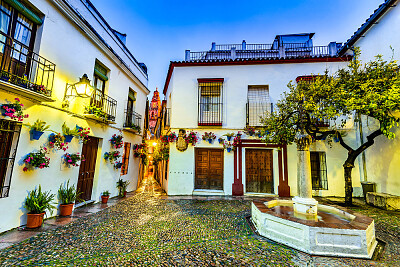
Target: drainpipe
360	130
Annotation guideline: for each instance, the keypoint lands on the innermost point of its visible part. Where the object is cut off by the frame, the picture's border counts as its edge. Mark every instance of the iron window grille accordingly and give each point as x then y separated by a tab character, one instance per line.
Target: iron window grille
167	118
9	137
258	104
132	119
210	110
318	171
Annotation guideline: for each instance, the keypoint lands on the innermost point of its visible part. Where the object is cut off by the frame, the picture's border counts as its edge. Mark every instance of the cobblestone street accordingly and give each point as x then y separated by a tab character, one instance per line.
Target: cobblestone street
151	229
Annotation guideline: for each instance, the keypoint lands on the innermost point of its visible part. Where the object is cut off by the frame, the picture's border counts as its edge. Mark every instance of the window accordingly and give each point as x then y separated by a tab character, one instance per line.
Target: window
258	103
125	159
318	171
210	102
100	77
9	135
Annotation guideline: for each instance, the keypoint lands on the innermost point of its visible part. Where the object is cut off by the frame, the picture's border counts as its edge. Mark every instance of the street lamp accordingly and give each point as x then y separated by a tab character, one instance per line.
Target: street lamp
82	88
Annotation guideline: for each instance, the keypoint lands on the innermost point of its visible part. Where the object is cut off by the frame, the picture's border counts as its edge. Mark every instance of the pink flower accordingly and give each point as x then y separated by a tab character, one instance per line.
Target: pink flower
69	161
21	105
17	99
25	169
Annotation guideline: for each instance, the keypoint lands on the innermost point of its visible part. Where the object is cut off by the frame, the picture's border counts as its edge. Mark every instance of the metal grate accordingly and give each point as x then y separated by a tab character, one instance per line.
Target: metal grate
106	103
318	171
210	104
9	137
132	119
258	104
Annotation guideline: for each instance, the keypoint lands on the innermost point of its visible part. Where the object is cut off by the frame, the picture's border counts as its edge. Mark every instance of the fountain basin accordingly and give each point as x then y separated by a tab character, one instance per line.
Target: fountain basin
336	231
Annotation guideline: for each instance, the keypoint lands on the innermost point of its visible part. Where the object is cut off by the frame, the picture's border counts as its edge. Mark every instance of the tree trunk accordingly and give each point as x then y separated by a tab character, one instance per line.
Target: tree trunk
348	184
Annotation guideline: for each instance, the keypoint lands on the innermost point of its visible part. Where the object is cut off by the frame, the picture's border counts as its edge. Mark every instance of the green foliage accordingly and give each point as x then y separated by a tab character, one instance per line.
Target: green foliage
38	202
122	186
105	193
98	112
68	131
67	194
38	125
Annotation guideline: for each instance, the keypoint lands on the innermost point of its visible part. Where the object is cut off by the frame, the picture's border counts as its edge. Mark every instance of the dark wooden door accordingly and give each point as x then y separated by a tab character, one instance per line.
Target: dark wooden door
87	168
259	171
209	168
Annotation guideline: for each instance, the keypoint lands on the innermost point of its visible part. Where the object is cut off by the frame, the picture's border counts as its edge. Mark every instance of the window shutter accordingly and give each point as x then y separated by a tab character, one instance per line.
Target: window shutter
125	159
100	71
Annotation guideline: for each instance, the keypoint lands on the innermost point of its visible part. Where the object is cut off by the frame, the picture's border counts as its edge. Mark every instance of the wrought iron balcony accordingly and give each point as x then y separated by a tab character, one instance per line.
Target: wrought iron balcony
24	68
102	107
167	118
132	120
255	111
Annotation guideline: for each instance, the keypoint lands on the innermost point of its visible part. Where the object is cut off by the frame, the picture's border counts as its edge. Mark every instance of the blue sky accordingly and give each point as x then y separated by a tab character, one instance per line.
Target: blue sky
161	31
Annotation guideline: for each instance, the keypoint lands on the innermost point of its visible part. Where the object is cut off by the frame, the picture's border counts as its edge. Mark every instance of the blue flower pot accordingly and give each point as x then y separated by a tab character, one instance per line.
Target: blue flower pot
35	135
68	138
229	138
51	137
78	128
323	138
229	149
210	140
336	139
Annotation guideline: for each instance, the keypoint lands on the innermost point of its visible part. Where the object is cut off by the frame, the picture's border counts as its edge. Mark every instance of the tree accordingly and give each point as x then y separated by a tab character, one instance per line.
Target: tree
370	90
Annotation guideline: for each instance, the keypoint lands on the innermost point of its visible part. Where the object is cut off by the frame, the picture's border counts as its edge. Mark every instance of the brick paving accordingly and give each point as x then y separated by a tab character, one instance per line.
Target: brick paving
152	229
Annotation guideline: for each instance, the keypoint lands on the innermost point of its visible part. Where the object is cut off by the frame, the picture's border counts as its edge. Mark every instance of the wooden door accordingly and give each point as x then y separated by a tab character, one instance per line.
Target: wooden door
87	168
209	168
259	171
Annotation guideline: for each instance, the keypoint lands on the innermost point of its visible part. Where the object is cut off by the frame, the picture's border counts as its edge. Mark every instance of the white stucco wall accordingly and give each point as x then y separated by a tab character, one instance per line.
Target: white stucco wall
74	52
183	88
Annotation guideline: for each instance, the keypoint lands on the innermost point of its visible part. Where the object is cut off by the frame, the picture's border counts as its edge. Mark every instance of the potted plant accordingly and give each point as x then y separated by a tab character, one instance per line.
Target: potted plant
36	160
117	165
37	202
221	140
37	129
105	196
112	156
38	88
67	196
229	146
96	111
122	185
83	134
4	76
57	141
72	159
191	138
210	137
168	138
249	131
14	110
68	133
229	136
116	141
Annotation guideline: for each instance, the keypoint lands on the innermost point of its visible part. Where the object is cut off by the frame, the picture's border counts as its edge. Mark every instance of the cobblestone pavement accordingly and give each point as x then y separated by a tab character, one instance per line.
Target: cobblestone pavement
150	229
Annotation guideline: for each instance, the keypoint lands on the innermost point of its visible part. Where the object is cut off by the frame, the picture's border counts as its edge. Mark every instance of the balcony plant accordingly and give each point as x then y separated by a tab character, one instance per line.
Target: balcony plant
105	196
57	141
68	133
229	136
36	160
116	141
37	202
169	138
14	110
122	186
37	129
20	81
72	159
4	76
210	137
112	156
41	89
191	138
67	196
98	112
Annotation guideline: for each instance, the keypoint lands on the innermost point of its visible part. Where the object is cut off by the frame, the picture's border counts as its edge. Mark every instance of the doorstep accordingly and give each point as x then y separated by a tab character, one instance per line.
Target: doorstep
207	192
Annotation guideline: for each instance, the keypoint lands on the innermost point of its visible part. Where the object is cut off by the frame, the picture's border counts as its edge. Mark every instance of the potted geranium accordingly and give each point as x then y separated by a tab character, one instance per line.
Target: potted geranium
191	138
249	131
210	137
36	160
14	110
57	141
37	202
83	134
72	159
229	136
229	146
122	185
68	133
67	196
168	138
105	196
221	140
112	156
37	129
116	141
117	165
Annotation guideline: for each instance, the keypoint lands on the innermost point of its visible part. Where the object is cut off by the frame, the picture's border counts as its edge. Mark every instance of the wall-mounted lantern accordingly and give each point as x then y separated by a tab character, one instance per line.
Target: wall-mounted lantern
78	89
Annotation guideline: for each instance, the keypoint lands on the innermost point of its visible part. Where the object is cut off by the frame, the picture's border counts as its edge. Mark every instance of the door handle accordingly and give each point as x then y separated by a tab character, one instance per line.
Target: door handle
87	172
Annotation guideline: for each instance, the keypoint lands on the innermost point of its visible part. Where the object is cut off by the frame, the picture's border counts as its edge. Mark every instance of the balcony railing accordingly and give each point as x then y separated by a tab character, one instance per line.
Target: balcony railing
21	66
102	106
167	118
248	51
132	120
255	111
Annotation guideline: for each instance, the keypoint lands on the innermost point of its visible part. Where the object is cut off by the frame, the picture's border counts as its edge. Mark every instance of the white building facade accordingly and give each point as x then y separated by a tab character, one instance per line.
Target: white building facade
52	43
229	87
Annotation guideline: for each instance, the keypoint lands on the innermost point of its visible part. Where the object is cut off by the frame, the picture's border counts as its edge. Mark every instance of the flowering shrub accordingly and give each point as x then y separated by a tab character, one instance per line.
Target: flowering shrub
57	141
191	138
112	155
209	135
116	141
83	134
168	138
37	160
138	149
229	146
14	111
38	88
72	159
117	165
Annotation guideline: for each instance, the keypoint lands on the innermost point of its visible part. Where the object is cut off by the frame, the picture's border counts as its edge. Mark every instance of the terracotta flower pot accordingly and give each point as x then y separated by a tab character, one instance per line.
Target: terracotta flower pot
66	209
104	199
34	220
124	193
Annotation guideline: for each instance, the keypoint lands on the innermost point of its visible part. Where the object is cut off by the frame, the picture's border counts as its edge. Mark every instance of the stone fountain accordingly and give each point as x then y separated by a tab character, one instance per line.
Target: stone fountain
303	224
